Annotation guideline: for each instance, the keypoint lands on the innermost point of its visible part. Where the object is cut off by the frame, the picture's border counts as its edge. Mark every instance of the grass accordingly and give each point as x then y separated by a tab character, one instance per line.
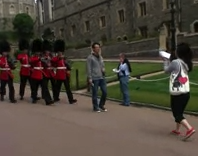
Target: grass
138	68
156	92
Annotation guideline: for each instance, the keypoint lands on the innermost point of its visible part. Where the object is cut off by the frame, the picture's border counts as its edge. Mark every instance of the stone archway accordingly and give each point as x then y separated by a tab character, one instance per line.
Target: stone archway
194	27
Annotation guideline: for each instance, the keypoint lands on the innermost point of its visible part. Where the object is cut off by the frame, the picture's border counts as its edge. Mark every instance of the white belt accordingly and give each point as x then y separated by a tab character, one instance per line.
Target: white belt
50	68
61	68
25	65
4	68
38	68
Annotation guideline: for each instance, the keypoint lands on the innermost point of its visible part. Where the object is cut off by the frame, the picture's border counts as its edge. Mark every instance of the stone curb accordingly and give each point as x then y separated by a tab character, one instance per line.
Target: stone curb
132	60
139	104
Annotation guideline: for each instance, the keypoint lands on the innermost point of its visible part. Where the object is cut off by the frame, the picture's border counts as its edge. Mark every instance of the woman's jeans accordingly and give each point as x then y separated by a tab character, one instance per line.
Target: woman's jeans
124	82
102	84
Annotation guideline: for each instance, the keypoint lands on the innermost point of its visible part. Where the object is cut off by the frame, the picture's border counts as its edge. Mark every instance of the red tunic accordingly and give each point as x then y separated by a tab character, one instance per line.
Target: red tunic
37	68
48	68
61	70
25	66
5	69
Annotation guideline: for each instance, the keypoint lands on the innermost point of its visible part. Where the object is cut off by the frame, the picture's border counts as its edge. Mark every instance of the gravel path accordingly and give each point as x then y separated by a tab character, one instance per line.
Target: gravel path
74	130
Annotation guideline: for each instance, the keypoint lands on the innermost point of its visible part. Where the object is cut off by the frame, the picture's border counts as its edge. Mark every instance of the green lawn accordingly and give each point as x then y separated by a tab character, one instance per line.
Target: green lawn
138	68
156	92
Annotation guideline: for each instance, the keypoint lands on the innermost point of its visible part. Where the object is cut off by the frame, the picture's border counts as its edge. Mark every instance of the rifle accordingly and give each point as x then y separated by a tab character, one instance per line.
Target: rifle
11	62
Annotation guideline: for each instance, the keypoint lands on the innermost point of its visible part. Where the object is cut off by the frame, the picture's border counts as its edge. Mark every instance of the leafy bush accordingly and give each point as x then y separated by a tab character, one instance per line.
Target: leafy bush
23	25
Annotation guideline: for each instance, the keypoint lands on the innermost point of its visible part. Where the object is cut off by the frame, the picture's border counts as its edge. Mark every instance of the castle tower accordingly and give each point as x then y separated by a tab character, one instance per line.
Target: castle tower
10	8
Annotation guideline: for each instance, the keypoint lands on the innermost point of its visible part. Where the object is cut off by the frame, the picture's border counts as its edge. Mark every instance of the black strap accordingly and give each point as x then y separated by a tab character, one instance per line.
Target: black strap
128	64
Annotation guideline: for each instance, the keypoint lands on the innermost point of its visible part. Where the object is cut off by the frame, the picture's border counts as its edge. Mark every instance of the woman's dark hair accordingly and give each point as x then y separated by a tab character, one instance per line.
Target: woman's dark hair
94	44
185	53
173	56
126	61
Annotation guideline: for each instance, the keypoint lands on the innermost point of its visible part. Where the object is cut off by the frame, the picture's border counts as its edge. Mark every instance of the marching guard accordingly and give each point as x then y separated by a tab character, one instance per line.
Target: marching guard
48	70
23	57
6	65
37	73
61	71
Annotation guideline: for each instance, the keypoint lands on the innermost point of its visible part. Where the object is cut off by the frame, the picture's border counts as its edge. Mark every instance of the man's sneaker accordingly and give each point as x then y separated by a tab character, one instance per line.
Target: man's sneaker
103	109
175	132
189	133
97	110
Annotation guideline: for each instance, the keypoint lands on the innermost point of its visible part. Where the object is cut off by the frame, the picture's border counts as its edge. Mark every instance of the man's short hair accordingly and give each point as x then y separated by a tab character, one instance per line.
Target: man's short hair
94	44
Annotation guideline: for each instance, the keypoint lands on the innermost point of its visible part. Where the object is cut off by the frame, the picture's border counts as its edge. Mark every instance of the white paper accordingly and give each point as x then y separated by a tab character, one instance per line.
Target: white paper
115	70
164	54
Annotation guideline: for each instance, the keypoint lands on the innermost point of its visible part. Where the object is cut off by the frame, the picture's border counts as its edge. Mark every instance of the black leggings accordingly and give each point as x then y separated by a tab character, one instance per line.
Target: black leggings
178	105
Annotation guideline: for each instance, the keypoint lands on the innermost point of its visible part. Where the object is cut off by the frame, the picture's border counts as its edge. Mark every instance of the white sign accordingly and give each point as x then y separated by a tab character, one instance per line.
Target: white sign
164	54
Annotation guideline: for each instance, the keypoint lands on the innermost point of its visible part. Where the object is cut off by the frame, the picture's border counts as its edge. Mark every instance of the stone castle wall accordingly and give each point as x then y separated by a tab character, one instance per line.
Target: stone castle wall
143	48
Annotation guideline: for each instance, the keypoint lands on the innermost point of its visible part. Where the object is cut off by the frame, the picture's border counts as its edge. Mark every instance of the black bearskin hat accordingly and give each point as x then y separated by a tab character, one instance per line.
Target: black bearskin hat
36	46
59	46
23	44
4	46
47	46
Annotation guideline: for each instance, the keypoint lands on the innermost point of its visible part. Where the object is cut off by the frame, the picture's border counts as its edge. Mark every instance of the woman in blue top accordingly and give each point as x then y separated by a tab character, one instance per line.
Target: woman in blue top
124	69
179	86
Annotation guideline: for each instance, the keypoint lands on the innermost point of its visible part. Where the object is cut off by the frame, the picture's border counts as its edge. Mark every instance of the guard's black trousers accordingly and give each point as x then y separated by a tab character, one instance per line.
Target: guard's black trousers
0	89
53	85
23	82
35	85
10	86
67	88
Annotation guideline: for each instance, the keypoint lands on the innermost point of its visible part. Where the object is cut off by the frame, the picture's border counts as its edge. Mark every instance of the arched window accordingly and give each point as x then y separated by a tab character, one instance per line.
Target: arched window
27	10
196	27
12	9
52	2
61	32
51	9
41	11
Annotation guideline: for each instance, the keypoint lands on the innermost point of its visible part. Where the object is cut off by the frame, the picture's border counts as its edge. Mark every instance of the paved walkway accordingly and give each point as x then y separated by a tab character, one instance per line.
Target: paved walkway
74	130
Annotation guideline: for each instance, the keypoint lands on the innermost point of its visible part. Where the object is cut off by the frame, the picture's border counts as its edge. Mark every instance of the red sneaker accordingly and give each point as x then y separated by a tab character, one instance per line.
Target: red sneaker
189	133
175	132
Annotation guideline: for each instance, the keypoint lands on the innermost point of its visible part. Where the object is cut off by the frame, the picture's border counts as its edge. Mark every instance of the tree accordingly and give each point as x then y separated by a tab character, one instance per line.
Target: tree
24	26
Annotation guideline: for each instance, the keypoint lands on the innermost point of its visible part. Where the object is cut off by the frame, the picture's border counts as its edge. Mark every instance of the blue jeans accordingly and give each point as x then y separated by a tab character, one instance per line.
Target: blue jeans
102	84
124	81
